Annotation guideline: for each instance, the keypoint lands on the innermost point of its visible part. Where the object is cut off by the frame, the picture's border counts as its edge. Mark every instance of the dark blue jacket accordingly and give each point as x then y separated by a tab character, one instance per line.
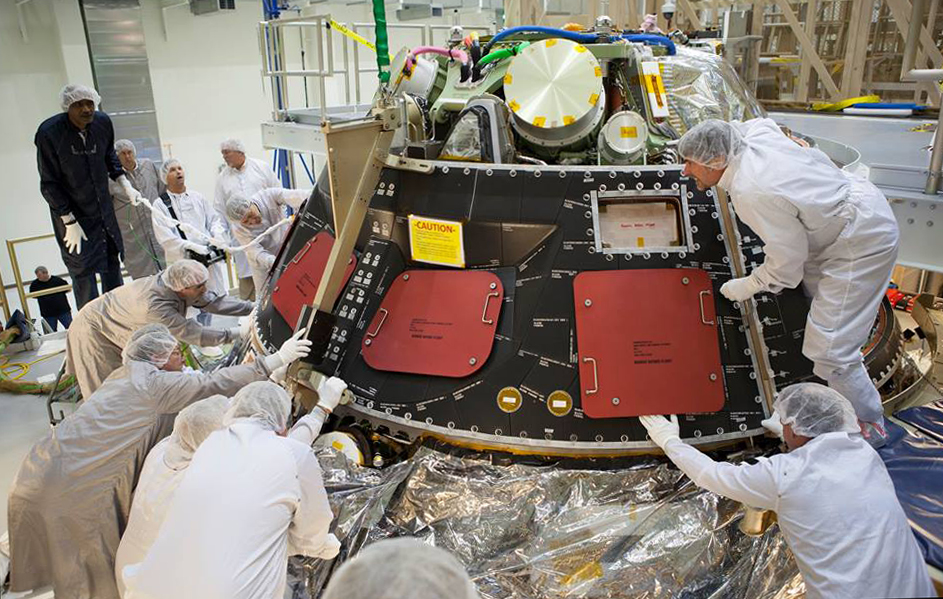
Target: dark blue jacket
73	178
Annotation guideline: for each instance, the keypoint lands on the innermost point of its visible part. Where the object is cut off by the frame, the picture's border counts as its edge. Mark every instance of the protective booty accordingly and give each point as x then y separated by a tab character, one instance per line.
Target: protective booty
855	384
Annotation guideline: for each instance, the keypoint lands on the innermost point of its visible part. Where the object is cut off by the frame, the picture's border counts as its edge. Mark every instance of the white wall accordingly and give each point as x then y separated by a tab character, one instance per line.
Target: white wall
206	81
207	86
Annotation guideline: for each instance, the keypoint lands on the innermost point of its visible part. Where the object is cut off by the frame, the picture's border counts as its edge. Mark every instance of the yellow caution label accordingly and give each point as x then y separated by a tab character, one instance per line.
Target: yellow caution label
579	48
640	242
593	99
436	241
507	79
513	105
627	132
568	119
551	42
599	71
337	445
539	121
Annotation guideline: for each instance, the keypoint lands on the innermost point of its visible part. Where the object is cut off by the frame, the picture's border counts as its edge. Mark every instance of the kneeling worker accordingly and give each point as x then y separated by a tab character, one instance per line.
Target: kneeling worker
72	495
251	498
101	329
835	502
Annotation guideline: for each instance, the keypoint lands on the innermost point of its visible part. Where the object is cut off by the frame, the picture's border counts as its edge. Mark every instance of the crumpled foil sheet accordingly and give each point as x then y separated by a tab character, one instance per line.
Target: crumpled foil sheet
535	531
704	86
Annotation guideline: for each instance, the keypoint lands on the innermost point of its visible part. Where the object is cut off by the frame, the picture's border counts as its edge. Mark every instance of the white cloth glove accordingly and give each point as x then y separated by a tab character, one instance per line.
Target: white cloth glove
773	424
234	335
661	429
245	324
330	549
738	290
330	392
133	195
74	234
293	349
278	375
196	247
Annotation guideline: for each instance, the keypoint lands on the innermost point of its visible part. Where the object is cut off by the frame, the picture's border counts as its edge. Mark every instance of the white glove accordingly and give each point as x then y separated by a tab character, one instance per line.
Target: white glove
133	194
196	247
233	335
329	549
661	429
737	290
330	392
773	424
293	349
74	234
278	375
245	324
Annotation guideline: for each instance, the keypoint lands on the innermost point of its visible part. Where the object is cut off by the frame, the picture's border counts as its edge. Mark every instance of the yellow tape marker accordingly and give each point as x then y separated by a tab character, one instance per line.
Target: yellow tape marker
640	242
539	121
593	98
513	105
599	71
579	48
568	119
507	79
551	42
625	132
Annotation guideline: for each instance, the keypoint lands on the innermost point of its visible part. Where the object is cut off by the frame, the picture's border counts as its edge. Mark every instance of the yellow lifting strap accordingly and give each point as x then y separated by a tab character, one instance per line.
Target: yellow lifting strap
839	106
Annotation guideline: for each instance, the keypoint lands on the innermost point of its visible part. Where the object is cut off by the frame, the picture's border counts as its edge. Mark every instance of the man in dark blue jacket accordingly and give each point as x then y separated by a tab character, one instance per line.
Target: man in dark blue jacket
76	157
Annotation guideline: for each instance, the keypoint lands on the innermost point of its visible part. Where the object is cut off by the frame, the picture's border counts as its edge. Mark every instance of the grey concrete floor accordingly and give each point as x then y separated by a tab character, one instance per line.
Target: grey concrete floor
23	421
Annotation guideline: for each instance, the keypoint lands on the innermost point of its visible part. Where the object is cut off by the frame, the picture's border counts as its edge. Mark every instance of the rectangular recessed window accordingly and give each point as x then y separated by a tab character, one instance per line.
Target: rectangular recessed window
640	224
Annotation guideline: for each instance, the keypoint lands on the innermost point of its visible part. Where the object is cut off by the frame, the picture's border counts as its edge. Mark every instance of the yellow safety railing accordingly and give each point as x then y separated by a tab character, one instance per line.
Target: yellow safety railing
4	301
24	295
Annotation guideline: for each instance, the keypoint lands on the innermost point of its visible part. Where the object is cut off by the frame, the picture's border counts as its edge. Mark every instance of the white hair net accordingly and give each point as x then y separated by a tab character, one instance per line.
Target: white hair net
153	347
813	409
233	145
397	568
263	401
125	144
74	92
165	168
185	273
711	143
192	426
237	207
153	327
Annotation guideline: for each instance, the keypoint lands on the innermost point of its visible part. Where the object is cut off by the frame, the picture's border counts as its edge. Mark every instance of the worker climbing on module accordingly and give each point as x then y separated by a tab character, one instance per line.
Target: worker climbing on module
832	231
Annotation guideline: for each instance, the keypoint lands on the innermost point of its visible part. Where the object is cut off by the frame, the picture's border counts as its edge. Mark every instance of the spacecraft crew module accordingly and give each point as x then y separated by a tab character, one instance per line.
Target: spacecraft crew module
533	271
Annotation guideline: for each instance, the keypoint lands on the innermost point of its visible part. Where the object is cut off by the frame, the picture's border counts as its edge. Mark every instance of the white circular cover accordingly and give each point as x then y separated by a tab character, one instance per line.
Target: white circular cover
625	132
553	83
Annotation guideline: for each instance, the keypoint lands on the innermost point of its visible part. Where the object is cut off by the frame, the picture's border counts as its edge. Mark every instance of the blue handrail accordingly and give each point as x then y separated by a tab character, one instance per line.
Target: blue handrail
651	38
